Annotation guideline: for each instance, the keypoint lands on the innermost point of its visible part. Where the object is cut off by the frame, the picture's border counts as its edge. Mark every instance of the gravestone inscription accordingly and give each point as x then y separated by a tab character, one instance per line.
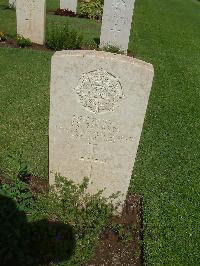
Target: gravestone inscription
31	19
97	107
116	23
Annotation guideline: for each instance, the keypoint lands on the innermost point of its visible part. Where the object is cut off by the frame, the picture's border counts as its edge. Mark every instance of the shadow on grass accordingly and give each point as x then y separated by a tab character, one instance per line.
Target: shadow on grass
38	243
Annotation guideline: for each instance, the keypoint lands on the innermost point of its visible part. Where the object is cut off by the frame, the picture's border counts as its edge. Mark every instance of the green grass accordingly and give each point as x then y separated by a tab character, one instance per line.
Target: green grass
166	172
24	107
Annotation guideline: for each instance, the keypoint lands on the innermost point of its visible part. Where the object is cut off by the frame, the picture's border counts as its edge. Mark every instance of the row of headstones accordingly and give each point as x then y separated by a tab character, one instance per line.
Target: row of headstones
116	22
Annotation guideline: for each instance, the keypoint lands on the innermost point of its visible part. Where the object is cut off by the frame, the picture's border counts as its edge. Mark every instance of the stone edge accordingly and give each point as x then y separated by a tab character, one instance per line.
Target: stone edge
106	55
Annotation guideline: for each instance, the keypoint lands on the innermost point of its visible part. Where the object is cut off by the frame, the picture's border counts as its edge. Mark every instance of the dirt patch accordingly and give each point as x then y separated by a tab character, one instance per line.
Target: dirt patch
34	46
114	249
37	184
13	44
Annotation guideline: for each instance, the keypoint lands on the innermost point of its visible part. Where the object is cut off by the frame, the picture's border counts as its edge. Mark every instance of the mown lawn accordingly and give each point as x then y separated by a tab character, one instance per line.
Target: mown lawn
167	169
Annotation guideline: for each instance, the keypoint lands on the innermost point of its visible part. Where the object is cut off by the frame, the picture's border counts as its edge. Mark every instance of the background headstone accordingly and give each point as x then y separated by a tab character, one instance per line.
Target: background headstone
12	3
98	102
31	19
116	23
69	4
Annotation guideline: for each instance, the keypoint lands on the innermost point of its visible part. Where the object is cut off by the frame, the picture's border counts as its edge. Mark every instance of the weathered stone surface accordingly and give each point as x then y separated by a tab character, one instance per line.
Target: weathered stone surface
12	3
97	107
31	19
116	23
69	4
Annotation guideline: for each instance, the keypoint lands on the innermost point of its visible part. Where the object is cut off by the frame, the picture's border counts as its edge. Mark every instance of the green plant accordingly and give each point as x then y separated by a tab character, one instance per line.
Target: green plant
18	191
63	38
70	203
2	36
23	42
122	230
112	49
91	45
19	167
92	9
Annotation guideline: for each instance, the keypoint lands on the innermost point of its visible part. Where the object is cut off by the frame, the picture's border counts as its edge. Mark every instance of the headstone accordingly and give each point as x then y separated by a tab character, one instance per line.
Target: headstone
12	3
116	23
69	4
98	102
31	19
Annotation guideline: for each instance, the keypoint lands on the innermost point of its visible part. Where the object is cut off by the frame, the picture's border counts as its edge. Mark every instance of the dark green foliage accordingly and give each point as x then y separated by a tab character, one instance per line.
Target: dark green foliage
19	167
87	214
18	191
92	9
62	224
123	231
31	243
23	42
13	240
63	38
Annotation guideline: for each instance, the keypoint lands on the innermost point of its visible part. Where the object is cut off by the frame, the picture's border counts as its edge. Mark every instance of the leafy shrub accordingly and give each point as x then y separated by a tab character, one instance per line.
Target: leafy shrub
23	42
87	214
2	36
31	243
92	9
65	12
63	223
62	38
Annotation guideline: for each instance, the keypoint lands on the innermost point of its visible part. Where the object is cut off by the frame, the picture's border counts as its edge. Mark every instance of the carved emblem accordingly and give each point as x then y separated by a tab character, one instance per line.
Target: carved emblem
99	91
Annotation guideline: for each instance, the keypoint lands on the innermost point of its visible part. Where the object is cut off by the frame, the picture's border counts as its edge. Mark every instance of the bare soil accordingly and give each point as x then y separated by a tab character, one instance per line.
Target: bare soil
12	43
113	250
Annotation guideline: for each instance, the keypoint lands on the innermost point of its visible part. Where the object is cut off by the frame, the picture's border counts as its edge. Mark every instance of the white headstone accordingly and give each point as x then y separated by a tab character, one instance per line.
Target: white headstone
31	19
98	102
12	3
116	23
69	4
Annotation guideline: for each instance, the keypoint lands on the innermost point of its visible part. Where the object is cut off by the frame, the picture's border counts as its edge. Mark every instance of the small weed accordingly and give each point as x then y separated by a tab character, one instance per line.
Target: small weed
123	231
18	191
90	45
62	38
19	167
112	49
3	37
23	42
